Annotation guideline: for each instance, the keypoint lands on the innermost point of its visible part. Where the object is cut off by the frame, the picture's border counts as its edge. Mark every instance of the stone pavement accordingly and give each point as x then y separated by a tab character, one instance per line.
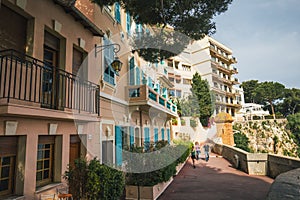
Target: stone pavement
214	180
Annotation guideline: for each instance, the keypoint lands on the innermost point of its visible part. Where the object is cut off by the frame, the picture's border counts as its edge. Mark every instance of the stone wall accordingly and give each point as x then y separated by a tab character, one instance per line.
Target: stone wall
280	164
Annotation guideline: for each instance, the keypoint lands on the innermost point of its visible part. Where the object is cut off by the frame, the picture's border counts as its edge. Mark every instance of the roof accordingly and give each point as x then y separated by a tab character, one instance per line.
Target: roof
69	7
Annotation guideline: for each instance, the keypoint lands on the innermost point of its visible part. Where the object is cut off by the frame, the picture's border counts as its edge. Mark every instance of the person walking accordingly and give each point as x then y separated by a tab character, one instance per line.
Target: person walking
193	156
206	151
198	151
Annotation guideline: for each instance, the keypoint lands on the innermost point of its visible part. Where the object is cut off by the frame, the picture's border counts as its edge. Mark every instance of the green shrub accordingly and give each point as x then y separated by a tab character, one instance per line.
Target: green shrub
182	121
173	155
193	123
241	141
92	180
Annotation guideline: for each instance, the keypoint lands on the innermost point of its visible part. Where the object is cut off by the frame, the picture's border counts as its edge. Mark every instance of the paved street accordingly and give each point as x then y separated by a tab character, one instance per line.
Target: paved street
214	180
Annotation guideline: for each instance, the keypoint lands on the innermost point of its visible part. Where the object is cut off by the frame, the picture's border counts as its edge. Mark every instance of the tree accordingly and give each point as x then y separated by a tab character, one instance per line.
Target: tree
294	126
241	141
202	98
269	92
191	18
291	102
249	87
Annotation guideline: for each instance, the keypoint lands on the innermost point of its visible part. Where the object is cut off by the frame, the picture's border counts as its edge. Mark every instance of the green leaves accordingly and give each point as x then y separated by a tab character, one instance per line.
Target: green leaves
189	19
92	180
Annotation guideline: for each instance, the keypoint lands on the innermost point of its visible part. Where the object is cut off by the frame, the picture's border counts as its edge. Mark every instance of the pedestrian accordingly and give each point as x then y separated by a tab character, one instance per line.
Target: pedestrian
193	156
206	151
198	151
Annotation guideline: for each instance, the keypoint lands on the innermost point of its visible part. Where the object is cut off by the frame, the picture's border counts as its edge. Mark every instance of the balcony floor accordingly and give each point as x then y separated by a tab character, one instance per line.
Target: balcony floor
216	179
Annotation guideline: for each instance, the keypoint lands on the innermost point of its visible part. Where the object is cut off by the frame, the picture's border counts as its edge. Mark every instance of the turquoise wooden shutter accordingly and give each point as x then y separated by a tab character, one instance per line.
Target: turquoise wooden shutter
117	12
169	135
131	132
162	134
138	76
155	134
146	138
118	141
131	72
128	23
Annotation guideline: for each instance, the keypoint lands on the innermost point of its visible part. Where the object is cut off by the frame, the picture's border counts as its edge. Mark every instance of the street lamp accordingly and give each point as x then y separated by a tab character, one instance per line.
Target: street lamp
116	64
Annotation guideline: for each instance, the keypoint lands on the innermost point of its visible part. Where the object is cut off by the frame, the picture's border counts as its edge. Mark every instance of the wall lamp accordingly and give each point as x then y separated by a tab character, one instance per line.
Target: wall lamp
116	64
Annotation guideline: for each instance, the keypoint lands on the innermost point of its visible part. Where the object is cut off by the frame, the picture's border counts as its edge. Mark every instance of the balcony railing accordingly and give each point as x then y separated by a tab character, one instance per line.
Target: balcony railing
142	94
26	79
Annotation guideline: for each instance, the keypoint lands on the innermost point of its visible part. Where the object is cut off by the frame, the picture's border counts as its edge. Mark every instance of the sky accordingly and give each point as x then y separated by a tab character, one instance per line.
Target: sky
264	36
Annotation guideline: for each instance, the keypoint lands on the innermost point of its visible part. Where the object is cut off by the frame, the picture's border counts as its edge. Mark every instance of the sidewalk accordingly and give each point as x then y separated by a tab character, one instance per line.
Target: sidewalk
214	180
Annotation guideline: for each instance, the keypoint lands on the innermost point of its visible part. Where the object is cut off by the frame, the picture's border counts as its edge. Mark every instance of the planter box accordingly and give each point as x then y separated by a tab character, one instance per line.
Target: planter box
146	192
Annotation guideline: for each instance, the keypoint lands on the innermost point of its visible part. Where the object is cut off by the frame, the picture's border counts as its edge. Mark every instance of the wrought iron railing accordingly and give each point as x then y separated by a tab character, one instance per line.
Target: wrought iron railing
28	79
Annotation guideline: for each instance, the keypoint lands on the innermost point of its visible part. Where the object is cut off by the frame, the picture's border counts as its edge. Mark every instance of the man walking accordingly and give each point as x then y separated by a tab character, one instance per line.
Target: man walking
206	151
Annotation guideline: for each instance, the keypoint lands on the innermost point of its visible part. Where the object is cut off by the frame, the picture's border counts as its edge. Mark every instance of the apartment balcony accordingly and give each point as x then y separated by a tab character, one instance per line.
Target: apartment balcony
233	60
31	87
145	97
218	90
233	70
235	81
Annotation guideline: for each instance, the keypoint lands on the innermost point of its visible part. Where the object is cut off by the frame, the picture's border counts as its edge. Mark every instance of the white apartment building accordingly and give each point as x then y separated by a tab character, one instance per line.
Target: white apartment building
215	63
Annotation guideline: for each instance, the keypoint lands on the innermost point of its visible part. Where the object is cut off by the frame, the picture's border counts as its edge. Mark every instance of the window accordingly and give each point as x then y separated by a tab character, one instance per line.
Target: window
45	160
187	81
139	31
176	64
117	12
170	63
6	174
186	68
178	93
109	74
44	172
178	79
77	69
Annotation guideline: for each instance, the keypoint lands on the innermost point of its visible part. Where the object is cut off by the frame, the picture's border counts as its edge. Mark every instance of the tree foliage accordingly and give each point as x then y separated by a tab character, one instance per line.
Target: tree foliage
92	180
191	18
291	102
249	87
269	93
241	141
200	103
294	126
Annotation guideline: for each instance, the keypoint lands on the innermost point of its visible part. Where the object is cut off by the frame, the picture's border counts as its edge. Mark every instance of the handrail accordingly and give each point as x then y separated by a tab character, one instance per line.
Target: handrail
25	78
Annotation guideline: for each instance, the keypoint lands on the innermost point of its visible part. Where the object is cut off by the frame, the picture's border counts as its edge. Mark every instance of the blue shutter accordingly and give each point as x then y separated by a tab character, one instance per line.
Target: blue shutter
162	134
131	72
150	82
117	12
146	138
169	135
138	76
155	134
131	132
128	23
118	141
158	88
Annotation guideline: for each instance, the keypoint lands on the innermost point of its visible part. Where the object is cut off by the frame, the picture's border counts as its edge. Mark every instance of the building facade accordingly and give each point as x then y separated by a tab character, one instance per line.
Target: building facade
60	98
215	63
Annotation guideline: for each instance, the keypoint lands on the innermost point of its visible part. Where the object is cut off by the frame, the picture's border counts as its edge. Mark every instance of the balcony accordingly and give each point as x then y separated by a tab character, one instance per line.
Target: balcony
233	70
142	95
26	81
233	60
235	81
